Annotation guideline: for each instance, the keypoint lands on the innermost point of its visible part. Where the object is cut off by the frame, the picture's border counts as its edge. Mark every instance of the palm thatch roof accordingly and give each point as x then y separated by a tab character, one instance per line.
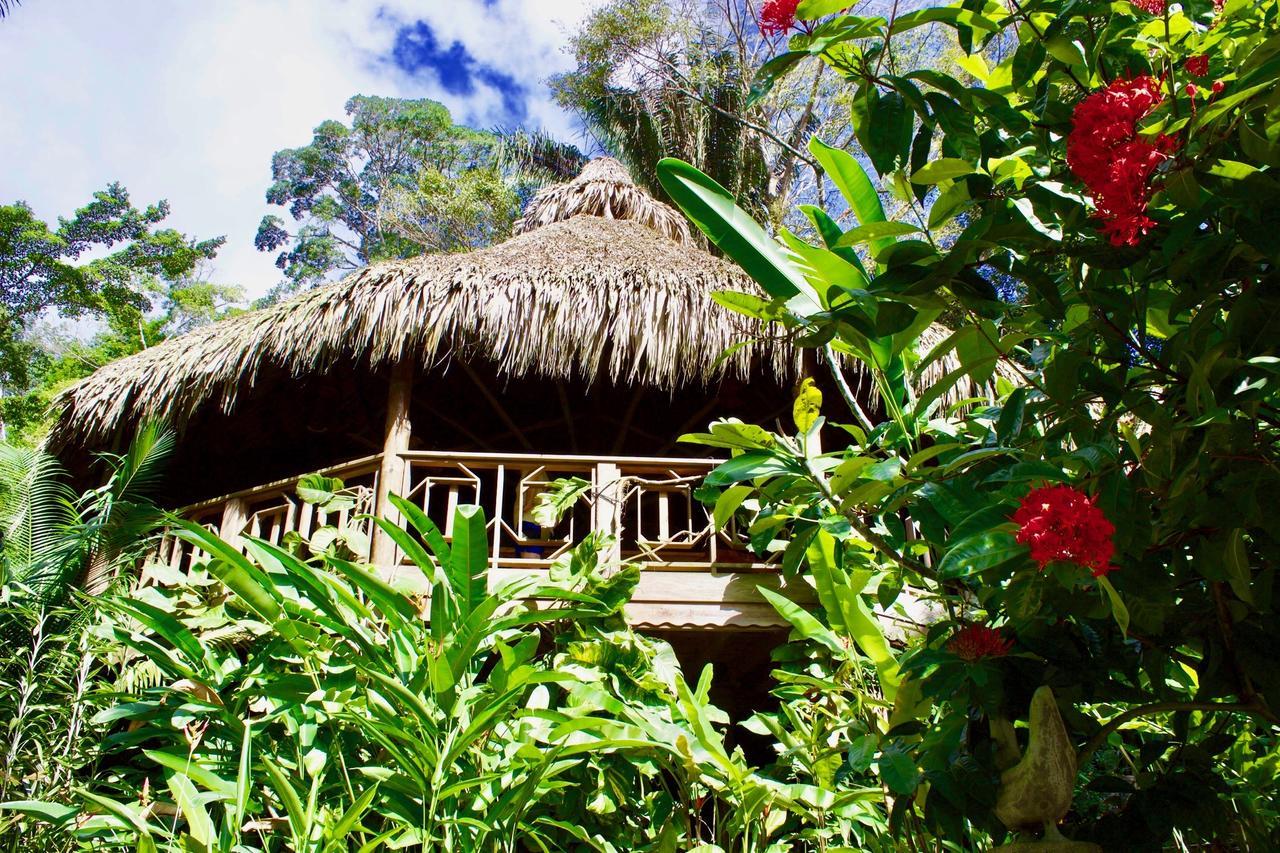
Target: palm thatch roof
586	297
604	189
604	282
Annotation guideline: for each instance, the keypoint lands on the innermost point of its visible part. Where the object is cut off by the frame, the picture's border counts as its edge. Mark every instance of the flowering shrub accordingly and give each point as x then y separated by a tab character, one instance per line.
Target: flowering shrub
1070	485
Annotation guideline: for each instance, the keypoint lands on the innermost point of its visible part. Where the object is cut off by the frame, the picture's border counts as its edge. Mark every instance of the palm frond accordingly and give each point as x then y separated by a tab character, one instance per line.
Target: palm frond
142	467
539	156
120	519
35	506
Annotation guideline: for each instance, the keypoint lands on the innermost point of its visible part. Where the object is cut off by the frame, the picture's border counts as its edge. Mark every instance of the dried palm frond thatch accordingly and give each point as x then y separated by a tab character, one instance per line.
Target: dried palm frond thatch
587	297
604	189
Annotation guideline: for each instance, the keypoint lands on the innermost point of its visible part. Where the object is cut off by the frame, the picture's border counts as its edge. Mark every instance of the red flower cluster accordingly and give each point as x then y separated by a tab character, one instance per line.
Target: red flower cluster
1151	7
1104	151
1061	523
777	16
1197	65
972	643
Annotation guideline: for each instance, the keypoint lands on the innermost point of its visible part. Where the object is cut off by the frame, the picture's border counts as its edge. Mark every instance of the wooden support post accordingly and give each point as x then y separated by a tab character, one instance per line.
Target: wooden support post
235	515
393	474
608	508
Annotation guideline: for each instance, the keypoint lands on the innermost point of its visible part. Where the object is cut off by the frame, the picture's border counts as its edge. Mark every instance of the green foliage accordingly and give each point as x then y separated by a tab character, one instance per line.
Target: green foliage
401	180
51	540
1141	375
271	702
40	270
48	679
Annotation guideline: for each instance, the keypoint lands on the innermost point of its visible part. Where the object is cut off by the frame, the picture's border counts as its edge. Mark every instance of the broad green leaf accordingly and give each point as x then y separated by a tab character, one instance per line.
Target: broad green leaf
558	498
129	813
199	825
299	821
426	528
54	813
810	10
727	504
824	268
978	553
769	73
898	770
750	465
942	169
232	568
866	631
804	622
1118	610
883	124
469	569
955	16
351	817
876	231
734	434
195	771
742	303
827	577
854	184
713	209
1236	561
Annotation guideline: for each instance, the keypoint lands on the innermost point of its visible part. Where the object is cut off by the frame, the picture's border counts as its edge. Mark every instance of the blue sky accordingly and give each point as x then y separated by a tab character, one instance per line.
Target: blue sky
187	100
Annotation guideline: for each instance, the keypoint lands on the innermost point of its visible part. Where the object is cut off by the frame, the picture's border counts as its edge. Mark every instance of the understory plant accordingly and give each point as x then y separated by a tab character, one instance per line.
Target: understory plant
272	699
1091	204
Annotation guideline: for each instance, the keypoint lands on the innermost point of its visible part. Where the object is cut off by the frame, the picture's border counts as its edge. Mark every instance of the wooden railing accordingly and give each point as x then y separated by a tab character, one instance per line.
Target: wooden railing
692	574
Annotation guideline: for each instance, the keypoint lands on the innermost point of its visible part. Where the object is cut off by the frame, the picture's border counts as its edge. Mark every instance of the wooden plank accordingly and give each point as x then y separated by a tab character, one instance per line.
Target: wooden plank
394	469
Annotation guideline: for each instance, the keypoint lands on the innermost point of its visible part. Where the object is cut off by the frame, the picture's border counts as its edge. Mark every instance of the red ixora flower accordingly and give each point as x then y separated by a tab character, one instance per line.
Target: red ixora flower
1197	65
777	16
972	643
1062	523
1151	7
1104	151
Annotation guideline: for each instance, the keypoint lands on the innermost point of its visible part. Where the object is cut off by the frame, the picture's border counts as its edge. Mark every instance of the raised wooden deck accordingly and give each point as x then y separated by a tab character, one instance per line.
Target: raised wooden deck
692	576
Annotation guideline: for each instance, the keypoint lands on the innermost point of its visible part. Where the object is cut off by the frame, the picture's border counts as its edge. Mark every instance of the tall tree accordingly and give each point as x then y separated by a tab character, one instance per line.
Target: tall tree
672	78
399	180
41	270
702	80
51	360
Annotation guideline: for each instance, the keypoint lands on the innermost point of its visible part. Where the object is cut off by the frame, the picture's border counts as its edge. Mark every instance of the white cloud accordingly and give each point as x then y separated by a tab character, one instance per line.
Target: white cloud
188	100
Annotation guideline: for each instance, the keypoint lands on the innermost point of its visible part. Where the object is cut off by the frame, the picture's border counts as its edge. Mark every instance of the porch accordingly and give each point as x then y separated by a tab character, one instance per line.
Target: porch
692	576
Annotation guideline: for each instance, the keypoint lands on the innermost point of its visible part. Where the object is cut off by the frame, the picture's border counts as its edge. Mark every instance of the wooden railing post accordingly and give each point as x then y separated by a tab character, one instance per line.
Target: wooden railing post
393	473
608	508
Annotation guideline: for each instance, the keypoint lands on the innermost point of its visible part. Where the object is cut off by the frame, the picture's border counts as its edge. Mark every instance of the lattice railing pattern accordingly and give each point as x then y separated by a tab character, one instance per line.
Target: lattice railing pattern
646	504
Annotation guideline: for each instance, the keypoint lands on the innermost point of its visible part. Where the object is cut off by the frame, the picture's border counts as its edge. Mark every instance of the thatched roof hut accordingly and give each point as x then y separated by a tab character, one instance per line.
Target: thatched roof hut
590	331
603	295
